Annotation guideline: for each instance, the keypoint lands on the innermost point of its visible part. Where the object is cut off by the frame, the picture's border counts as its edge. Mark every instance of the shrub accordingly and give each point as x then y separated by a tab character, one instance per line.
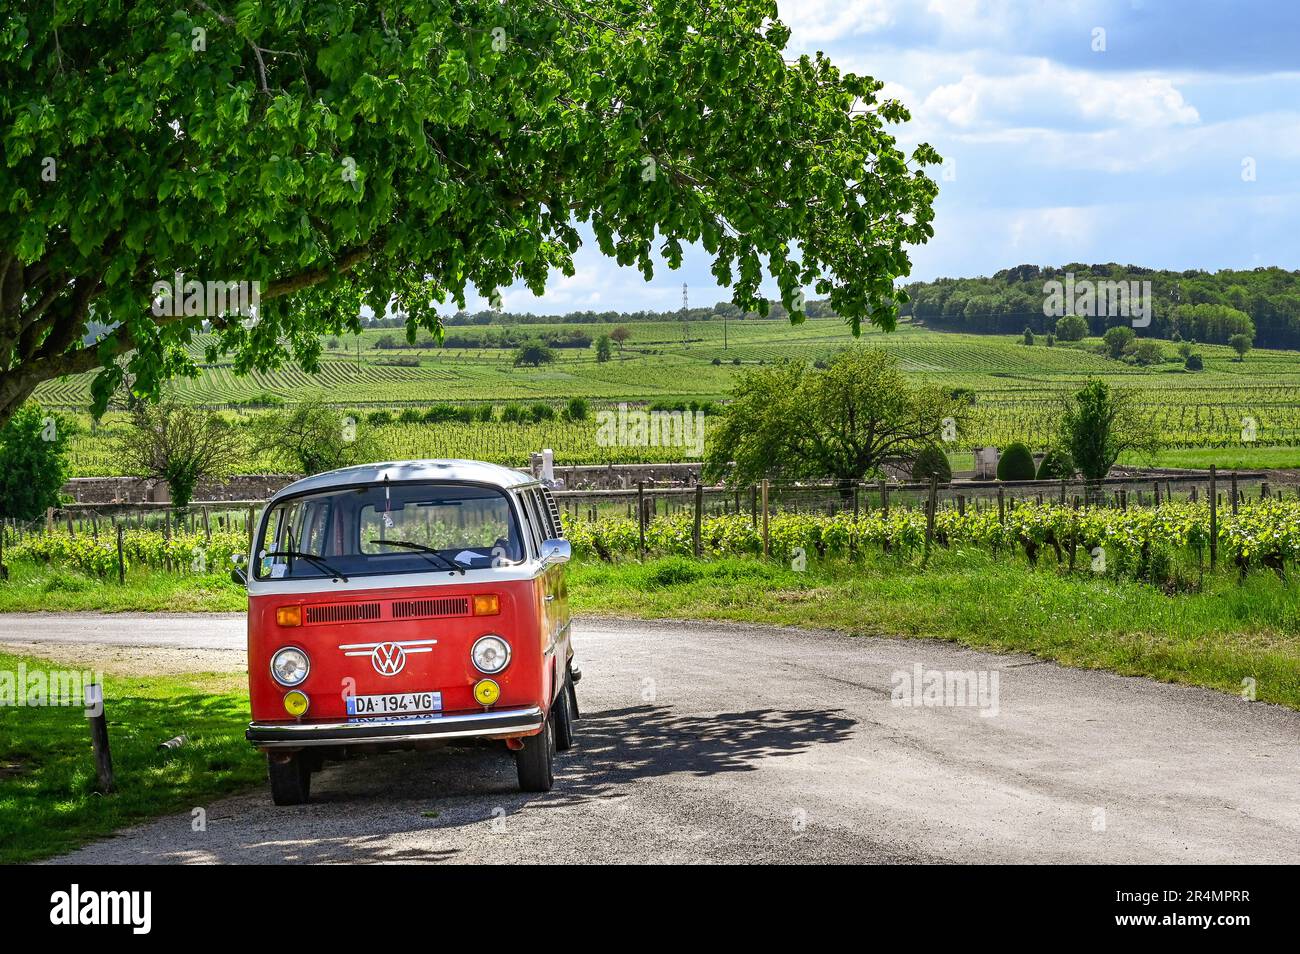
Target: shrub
485	413
379	417
576	410
1017	463
932	462
410	416
33	461
1117	339
440	413
1072	328
1194	363
541	412
512	414
1057	465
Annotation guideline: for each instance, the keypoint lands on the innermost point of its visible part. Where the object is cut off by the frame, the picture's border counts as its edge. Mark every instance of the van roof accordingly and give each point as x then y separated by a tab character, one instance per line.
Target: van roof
467	471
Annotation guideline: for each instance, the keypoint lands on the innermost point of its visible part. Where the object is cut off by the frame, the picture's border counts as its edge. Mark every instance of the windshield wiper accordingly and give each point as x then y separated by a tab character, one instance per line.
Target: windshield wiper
421	548
310	558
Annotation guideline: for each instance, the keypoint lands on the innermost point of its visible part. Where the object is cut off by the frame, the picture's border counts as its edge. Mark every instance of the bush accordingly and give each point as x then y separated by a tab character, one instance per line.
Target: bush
1072	328
485	413
512	414
441	413
541	412
1017	463
1057	465
379	417
575	410
1117	339
1194	363
33	461
932	462
410	416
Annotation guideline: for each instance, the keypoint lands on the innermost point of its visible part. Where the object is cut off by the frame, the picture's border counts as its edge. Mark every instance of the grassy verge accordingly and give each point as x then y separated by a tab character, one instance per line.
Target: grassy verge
34	589
48	798
1216	637
1225	458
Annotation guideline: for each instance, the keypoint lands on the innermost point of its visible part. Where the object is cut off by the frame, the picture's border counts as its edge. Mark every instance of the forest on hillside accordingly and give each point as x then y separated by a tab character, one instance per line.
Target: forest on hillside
1206	306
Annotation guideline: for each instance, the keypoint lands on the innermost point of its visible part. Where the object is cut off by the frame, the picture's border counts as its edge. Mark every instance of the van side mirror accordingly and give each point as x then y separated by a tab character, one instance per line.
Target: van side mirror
556	551
238	574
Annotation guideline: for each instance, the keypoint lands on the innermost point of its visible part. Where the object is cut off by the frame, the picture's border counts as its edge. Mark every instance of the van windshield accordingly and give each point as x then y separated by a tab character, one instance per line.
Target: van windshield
393	528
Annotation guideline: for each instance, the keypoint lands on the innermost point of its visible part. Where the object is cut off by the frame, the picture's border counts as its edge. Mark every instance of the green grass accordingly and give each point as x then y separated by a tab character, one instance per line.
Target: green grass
1214	638
49	799
34	589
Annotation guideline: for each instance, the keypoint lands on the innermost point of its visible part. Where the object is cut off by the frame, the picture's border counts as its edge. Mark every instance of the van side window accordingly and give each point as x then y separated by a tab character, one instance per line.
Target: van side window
546	525
533	520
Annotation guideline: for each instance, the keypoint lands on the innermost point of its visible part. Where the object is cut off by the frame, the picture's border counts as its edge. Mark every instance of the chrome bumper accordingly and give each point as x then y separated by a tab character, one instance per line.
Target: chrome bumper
292	735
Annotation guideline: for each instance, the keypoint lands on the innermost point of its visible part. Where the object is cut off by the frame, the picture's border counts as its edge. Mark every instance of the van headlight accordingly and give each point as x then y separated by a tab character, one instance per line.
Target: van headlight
289	666
490	654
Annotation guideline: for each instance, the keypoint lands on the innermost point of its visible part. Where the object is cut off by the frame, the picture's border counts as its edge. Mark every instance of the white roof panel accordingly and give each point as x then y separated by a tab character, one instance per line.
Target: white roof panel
466	471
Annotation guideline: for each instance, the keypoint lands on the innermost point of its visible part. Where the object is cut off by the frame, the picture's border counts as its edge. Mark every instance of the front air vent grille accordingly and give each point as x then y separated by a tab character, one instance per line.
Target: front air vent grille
343	613
428	609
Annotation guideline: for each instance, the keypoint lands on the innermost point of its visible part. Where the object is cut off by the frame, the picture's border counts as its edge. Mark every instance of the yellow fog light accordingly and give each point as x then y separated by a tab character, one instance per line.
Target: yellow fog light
295	703
486	692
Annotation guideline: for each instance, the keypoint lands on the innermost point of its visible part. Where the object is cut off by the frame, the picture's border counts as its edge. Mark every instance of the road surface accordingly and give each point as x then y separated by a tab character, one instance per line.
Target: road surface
718	742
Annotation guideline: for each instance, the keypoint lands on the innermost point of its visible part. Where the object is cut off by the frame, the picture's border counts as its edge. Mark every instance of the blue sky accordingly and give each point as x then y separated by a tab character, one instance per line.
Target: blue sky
1175	146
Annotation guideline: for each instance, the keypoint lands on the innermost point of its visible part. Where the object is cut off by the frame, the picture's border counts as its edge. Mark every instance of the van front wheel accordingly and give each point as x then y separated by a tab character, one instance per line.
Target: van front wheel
290	779
535	762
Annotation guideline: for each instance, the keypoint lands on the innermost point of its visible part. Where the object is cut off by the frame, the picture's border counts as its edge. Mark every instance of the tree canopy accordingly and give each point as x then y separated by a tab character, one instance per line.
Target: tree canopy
393	155
794	421
1098	424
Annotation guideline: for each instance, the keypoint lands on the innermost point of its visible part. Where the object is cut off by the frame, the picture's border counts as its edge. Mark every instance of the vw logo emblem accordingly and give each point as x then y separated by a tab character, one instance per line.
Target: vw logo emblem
388	659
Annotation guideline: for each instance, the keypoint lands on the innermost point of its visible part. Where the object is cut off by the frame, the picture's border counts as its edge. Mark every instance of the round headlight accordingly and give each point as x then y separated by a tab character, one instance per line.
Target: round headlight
289	666
490	654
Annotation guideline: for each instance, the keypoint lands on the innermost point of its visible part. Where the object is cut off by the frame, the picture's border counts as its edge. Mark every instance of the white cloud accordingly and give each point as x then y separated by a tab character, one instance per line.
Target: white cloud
1044	94
816	21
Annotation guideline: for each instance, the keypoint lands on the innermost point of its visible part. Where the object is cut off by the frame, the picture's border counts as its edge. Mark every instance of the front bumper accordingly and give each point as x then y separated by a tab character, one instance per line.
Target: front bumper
497	723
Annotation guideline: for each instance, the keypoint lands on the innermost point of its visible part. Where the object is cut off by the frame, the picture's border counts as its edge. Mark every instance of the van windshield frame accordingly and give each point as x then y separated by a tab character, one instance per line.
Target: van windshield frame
468	526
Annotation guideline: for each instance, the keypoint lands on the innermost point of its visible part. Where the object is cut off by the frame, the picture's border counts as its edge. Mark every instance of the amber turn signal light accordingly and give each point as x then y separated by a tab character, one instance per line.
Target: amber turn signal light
289	616
487	604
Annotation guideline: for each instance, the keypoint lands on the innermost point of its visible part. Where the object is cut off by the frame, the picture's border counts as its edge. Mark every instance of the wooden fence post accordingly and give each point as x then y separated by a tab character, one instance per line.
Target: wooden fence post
121	558
640	514
1214	518
1234	493
765	537
699	515
94	702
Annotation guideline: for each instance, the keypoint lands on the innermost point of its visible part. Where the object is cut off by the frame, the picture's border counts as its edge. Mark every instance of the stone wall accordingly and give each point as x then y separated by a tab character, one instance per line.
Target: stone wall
110	490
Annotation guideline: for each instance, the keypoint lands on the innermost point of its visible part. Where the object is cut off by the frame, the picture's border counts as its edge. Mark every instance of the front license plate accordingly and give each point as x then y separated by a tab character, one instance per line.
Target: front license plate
394	704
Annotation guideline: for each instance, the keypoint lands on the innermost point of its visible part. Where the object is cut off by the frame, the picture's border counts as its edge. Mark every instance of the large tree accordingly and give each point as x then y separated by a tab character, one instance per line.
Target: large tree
394	154
795	421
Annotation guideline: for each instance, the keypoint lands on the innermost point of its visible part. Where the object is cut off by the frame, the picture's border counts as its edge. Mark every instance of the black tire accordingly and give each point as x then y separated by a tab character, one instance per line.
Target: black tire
562	713
535	762
290	779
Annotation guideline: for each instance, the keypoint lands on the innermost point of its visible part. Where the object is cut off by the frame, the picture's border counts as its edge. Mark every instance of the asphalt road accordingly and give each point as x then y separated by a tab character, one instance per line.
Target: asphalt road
709	742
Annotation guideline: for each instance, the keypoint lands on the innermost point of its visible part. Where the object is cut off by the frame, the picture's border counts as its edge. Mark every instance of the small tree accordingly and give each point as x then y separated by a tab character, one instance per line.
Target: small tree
315	437
1072	328
1240	343
178	444
794	421
1098	424
1194	362
576	409
1016	463
602	349
533	354
33	461
1028	336
620	336
1117	339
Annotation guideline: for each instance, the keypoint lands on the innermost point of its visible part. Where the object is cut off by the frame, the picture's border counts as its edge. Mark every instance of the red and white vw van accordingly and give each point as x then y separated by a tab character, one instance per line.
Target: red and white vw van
403	605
